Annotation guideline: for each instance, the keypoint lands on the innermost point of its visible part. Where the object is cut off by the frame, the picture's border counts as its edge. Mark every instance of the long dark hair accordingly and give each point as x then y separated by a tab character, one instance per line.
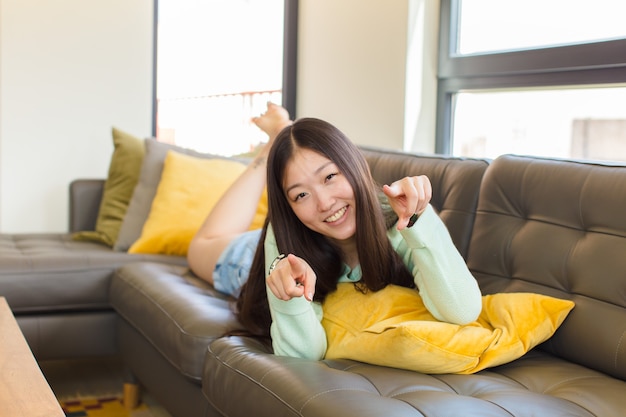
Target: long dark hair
380	264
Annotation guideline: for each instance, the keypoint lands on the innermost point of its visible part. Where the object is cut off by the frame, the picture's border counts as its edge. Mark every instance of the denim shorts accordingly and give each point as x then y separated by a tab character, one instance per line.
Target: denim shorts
233	265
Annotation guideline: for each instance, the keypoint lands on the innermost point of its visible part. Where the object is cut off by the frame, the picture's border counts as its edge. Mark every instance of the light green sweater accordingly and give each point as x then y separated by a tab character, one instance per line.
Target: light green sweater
446	286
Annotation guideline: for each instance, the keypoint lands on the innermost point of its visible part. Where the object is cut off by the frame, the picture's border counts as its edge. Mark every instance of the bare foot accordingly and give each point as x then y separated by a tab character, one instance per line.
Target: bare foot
275	119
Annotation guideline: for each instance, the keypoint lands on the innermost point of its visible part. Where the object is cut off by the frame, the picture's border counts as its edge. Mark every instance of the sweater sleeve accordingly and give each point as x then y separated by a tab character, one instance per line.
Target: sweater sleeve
296	328
446	285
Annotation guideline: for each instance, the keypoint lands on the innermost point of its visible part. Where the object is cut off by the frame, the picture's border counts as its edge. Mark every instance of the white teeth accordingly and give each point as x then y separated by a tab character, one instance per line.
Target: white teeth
336	216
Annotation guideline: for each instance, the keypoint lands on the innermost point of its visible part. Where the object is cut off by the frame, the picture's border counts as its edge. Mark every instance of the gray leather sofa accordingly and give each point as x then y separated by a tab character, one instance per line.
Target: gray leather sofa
58	288
523	224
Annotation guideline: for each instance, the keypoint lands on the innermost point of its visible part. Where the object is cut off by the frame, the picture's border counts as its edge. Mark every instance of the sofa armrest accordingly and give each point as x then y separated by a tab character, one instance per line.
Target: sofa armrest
85	197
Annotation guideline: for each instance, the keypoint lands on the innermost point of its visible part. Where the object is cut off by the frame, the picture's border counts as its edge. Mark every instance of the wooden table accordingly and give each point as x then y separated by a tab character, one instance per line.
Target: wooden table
24	391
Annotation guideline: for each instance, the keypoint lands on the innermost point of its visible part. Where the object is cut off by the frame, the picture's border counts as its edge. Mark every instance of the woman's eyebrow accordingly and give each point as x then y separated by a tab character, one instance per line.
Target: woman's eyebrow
317	171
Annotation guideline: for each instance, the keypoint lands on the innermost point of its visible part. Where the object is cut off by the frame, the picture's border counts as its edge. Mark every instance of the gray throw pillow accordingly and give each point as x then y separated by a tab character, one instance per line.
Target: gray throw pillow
145	190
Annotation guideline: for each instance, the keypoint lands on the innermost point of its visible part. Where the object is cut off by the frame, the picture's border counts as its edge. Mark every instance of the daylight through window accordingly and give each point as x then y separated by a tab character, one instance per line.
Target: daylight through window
218	63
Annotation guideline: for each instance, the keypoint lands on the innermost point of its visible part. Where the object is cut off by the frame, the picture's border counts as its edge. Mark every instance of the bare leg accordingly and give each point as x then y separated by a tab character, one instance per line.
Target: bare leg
234	212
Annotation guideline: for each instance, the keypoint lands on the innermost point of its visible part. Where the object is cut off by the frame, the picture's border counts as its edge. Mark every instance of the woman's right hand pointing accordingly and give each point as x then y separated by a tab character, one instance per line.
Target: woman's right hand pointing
292	277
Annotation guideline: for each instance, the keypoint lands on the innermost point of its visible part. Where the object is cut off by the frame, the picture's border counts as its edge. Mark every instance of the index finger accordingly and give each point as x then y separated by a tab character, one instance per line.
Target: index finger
303	275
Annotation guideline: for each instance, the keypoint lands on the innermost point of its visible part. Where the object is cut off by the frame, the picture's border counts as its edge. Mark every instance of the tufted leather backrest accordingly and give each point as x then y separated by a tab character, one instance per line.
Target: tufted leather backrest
455	181
559	228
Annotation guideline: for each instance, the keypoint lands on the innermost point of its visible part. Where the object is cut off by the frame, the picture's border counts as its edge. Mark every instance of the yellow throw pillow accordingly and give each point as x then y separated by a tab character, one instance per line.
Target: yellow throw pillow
392	327
123	175
188	190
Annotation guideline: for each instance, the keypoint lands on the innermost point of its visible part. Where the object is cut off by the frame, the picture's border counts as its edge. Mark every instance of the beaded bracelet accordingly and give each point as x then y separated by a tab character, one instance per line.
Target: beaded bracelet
275	262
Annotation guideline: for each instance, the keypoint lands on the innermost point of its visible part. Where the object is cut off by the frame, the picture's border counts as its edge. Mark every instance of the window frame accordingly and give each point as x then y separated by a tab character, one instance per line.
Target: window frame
582	64
290	58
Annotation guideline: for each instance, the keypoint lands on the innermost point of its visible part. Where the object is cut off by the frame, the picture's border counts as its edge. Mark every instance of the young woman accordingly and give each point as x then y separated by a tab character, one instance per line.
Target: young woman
326	225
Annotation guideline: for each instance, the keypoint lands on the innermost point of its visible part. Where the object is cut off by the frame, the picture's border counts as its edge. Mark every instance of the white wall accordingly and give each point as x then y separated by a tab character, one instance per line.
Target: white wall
69	71
369	67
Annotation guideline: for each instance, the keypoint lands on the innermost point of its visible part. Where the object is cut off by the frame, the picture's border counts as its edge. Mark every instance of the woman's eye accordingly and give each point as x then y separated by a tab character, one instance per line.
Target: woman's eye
299	196
330	176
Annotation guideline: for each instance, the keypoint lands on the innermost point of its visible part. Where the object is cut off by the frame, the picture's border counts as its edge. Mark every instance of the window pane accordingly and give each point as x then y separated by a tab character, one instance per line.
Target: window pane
502	25
567	123
219	62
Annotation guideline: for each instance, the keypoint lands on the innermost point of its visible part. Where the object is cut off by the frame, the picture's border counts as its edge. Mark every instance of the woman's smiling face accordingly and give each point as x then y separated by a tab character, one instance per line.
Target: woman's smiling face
320	195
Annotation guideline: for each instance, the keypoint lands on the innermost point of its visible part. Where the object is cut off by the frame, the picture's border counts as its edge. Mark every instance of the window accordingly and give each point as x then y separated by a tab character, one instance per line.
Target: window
532	77
496	25
218	62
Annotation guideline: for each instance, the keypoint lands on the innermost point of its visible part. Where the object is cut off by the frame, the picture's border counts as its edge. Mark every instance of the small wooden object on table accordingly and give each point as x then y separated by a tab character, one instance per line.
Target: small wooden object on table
24	390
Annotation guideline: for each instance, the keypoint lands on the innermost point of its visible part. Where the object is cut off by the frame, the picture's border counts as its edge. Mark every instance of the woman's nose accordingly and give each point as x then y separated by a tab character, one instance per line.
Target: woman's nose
325	201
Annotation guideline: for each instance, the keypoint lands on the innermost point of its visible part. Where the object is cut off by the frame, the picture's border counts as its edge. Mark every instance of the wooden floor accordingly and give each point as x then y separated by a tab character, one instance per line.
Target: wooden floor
91	378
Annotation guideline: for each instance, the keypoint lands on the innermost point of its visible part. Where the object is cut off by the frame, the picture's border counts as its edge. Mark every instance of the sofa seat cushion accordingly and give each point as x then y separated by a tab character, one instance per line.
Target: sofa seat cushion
178	313
53	273
538	384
